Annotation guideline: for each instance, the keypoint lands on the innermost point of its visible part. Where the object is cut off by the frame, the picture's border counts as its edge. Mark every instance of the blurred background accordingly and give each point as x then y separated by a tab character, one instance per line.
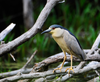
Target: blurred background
81	17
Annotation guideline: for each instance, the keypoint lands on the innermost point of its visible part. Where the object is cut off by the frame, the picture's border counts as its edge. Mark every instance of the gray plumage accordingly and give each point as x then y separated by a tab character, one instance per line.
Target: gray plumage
74	46
67	42
71	41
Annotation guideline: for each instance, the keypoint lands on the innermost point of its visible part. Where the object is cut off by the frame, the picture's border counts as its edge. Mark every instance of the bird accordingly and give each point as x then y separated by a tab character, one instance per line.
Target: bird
67	42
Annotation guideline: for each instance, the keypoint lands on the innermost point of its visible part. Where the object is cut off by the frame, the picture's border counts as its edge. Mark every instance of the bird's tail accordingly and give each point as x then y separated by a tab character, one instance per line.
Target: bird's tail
83	56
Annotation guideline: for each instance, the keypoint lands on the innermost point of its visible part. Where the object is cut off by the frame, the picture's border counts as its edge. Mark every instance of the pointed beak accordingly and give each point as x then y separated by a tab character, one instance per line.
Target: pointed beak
46	31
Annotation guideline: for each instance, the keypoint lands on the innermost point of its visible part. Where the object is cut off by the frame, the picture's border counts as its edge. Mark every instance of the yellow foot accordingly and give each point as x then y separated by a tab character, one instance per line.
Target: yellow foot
69	69
57	69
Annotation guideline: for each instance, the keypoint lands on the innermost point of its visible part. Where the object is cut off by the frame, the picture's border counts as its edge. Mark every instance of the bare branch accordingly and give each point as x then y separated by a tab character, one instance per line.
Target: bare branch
6	31
50	72
2	75
59	57
95	45
28	13
33	31
45	63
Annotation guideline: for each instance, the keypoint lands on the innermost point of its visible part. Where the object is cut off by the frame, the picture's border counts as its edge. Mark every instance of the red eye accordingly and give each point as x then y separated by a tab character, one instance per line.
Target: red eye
53	28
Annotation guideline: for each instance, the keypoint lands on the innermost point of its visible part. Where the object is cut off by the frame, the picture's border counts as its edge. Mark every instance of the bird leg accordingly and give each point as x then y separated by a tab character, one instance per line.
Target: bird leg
70	67
62	63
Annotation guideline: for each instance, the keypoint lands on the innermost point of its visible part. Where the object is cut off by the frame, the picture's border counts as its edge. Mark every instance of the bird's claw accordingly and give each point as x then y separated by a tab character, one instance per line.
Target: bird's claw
57	69
69	70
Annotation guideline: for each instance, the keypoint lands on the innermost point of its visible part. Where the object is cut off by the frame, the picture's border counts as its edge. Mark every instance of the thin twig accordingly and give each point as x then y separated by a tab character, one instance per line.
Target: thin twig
29	60
97	72
12	57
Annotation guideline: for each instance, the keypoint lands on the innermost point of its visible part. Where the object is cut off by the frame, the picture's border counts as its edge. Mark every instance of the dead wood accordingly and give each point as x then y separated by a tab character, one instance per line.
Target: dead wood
4	48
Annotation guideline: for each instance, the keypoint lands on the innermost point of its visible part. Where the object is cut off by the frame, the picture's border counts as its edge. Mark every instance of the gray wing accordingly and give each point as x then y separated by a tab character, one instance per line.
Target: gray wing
74	45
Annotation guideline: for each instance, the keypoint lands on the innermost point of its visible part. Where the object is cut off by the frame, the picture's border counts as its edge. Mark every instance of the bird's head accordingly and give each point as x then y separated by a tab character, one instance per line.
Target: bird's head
54	29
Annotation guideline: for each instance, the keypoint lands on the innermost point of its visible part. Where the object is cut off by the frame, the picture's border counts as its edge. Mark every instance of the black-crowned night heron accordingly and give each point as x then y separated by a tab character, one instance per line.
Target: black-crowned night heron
67	42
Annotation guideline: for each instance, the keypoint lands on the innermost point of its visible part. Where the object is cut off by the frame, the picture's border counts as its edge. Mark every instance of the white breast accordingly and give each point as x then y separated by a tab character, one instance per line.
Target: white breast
60	41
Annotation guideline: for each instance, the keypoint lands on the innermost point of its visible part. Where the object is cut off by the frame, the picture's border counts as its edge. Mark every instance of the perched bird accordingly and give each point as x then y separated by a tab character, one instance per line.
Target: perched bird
67	42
